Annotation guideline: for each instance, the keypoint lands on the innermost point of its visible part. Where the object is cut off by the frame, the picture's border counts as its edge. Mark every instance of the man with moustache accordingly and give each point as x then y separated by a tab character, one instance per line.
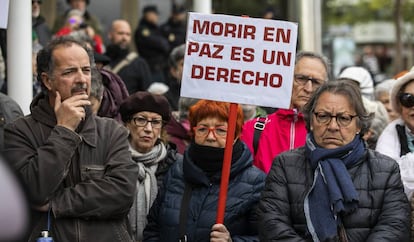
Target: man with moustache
285	129
132	68
76	166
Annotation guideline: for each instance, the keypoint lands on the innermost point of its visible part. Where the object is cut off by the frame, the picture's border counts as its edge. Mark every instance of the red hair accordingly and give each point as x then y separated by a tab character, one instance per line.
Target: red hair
214	109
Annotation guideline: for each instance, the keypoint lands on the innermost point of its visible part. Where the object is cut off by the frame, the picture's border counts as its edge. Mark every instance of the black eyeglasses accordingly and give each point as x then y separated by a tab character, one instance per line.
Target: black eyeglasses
39	2
142	122
342	119
303	79
406	99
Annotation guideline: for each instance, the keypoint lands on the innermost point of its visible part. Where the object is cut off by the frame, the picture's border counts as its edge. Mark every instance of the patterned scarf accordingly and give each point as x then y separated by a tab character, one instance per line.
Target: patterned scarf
147	187
333	192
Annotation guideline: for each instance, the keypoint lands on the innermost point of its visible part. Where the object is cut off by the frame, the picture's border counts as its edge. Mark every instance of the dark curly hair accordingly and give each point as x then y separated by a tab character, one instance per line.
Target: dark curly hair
45	61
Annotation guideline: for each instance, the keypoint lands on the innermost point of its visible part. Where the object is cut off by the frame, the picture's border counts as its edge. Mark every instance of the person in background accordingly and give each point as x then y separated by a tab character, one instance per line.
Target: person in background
114	94
89	19
97	90
76	27
396	141
176	64
361	78
252	111
39	25
382	94
334	188
75	165
192	185
9	111
373	133
178	129
151	44
175	29
132	68
145	115
285	128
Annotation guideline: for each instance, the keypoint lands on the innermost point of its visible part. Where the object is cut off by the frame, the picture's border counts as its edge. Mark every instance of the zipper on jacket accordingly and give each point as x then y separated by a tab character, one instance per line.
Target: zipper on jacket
94	168
292	129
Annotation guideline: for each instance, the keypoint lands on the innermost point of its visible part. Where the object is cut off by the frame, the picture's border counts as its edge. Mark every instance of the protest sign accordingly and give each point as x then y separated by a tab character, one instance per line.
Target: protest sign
4	13
239	60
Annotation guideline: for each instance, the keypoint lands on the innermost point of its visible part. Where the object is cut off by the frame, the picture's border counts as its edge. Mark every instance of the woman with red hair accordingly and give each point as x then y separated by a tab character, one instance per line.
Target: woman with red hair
185	209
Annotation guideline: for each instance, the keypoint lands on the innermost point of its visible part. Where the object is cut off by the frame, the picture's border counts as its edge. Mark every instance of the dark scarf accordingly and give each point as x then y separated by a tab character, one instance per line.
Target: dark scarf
115	52
210	159
333	192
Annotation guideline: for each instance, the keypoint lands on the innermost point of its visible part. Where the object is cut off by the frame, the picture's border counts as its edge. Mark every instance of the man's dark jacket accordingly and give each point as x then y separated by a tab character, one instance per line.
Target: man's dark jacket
88	178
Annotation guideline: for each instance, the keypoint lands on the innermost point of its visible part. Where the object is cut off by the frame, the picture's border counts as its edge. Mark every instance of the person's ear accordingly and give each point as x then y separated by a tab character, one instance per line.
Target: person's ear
173	72
46	80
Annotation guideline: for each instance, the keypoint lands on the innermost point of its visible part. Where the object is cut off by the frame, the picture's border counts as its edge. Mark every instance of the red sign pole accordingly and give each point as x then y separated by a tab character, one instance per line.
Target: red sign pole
225	174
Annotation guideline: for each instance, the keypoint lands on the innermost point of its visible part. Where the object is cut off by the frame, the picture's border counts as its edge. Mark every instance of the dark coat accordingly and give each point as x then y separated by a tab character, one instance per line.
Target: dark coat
9	111
42	30
383	212
87	178
136	74
114	94
152	45
246	183
174	32
178	135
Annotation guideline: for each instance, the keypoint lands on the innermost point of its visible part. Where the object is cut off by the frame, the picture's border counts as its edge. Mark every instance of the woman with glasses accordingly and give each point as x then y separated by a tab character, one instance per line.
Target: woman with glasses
186	209
145	115
397	139
334	188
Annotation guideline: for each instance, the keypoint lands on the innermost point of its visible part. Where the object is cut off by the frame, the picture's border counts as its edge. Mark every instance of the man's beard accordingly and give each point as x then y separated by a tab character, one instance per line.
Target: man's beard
116	52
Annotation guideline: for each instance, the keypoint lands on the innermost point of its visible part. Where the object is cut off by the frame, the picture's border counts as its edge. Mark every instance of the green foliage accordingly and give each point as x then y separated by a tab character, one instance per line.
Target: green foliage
364	11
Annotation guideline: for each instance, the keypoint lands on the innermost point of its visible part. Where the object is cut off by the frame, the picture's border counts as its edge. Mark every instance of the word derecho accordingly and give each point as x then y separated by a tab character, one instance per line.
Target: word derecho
238	53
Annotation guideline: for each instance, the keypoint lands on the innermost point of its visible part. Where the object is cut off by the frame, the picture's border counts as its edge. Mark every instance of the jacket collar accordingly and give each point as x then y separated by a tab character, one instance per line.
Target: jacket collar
43	113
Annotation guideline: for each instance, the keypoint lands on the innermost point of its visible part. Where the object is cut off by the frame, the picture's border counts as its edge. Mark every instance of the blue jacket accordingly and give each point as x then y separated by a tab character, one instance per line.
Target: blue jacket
245	185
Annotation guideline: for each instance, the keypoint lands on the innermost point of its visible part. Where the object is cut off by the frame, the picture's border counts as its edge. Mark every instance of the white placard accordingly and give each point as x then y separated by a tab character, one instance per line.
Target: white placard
240	60
4	13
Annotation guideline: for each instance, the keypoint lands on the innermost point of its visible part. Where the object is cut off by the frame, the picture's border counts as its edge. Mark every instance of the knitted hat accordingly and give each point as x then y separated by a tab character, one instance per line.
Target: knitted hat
145	101
406	78
362	76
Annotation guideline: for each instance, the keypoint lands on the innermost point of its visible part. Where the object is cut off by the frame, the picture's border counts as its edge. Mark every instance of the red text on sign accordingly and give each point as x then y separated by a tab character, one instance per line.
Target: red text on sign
205	49
277	57
236	76
242	54
224	29
276	34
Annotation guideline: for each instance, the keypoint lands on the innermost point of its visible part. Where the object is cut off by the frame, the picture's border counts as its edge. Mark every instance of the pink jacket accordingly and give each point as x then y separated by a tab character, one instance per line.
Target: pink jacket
285	130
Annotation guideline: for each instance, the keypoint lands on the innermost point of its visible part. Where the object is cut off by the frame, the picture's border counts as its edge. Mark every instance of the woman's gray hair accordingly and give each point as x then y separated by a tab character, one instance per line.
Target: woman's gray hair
351	93
384	86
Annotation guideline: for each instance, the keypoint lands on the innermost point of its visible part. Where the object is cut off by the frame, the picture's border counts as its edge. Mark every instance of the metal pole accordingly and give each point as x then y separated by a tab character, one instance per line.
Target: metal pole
203	6
19	54
311	25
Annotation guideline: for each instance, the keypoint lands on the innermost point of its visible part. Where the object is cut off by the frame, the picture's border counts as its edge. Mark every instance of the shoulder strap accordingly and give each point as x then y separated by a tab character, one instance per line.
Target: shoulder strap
183	212
130	57
259	126
403	139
